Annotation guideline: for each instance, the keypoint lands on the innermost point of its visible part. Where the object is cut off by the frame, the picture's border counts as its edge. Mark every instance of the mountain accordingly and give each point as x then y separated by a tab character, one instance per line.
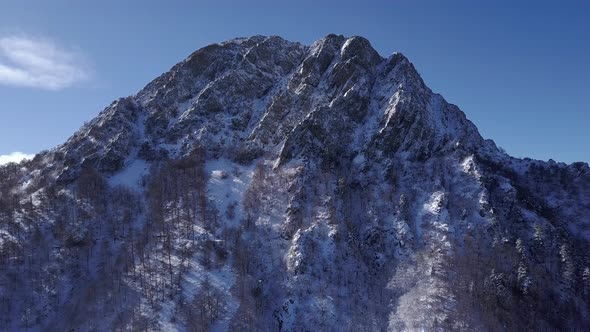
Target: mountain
265	185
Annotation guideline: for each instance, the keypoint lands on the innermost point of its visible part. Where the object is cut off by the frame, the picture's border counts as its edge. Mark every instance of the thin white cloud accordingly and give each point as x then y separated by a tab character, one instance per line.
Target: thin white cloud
39	63
15	157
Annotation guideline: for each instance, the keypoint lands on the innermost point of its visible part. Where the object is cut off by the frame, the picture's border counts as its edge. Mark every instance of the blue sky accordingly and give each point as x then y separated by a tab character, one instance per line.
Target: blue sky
519	69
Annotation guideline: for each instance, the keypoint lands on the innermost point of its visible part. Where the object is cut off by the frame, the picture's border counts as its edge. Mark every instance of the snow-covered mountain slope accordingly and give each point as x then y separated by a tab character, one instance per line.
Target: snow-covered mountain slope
262	184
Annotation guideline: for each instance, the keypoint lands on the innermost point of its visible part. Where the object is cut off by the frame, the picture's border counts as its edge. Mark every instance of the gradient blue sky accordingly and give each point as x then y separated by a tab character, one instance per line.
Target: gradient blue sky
519	69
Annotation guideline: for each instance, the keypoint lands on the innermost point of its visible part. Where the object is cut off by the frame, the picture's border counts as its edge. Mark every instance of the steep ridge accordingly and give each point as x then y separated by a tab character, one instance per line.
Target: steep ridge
262	184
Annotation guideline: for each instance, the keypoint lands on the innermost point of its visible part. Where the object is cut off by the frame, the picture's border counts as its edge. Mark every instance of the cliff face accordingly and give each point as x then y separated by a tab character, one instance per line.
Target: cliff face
262	184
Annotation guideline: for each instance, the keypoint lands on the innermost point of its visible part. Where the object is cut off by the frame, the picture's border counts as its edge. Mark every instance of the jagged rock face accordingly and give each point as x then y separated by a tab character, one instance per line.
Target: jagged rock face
262	184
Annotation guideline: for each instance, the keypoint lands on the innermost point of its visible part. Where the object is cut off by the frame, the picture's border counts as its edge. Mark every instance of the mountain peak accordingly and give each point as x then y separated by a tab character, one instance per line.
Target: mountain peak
360	47
266	93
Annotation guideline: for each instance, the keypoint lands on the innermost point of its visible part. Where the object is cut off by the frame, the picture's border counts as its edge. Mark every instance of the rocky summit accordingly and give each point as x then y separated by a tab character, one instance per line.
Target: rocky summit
266	185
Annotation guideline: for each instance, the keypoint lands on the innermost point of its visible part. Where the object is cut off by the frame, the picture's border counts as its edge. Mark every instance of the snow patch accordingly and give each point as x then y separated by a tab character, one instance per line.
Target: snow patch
131	175
227	183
